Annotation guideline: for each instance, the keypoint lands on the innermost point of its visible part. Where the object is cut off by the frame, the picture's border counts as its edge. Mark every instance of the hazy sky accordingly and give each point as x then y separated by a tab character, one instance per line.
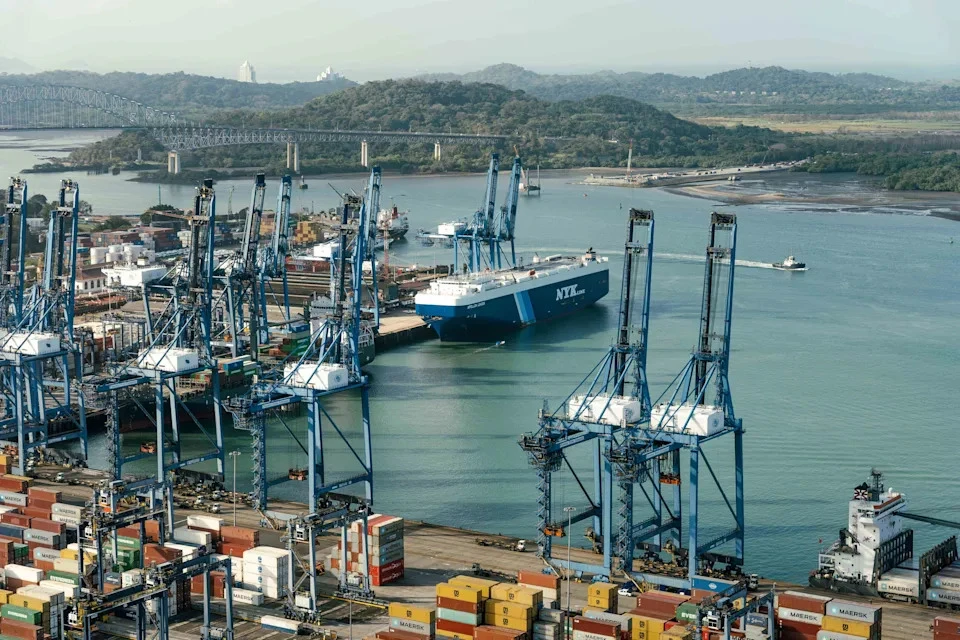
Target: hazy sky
368	39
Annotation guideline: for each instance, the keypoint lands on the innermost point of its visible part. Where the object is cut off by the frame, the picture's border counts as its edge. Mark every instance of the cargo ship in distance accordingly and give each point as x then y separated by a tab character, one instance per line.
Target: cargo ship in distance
484	305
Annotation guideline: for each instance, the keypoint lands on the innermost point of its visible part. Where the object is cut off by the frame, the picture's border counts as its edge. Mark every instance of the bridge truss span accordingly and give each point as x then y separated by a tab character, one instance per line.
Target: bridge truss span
36	106
188	138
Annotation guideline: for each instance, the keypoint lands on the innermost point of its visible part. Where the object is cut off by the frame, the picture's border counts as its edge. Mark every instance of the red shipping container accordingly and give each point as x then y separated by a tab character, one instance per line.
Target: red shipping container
946	625
153	530
44	565
15	518
13	484
799	627
486	632
803	602
388	572
240	534
455	627
399	634
157	554
15	583
18	629
214	534
608	629
49	525
539	579
50	495
235	549
36	512
41	504
458	605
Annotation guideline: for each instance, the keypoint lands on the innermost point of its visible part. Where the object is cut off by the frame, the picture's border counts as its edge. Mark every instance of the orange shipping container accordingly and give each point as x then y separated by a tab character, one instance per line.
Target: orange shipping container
539	579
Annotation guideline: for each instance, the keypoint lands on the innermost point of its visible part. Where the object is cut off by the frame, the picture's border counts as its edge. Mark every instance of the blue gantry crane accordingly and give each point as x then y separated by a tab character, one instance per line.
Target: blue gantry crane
598	415
328	370
273	260
480	242
39	353
13	226
637	443
178	350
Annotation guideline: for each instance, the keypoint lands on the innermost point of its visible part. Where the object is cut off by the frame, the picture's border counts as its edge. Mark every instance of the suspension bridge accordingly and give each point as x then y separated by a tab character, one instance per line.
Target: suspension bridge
52	107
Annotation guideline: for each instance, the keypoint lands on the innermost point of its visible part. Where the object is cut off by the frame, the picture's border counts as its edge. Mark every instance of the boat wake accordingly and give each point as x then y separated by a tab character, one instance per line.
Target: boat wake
683	257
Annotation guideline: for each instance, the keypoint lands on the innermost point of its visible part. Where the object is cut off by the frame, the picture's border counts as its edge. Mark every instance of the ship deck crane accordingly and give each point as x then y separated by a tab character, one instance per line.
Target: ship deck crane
596	415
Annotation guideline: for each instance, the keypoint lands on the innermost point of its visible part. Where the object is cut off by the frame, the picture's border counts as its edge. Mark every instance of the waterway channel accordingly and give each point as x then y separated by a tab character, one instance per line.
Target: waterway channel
849	365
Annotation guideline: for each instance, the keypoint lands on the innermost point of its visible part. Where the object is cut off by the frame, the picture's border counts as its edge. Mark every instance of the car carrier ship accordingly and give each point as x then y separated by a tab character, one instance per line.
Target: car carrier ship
486	304
488	299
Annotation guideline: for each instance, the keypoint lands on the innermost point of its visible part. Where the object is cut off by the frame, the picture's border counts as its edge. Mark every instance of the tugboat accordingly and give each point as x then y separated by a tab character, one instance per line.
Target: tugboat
790	264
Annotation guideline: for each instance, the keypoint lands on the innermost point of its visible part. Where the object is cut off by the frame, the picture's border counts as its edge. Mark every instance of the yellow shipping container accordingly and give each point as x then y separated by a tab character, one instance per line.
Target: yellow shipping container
409	612
513	593
4	458
510	609
73	554
484	585
459	592
677	633
646	635
606	590
5	596
602	604
647	623
850	627
28	602
518	624
452	634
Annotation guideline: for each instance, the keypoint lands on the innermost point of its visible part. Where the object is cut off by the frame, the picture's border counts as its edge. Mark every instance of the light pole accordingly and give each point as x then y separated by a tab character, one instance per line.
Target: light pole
569	511
234	455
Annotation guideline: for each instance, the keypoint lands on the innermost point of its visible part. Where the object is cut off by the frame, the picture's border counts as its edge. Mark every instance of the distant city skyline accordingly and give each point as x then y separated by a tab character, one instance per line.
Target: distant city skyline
906	38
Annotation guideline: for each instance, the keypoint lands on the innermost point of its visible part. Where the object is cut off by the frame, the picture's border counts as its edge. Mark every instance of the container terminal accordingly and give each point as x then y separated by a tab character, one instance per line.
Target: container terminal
106	553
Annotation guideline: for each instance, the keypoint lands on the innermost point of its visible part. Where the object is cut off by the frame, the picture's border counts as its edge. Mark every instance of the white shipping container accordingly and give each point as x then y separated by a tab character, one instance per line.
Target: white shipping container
253	571
245	596
281	624
65	564
53	596
13	498
131	578
189	552
205	522
192	536
70	521
43	537
168	359
899	586
603	616
692	419
46	555
69	590
833	635
20	572
420	628
800	616
551	629
944	595
853	611
262	555
583	635
946	580
316	375
604	409
551	614
7	508
387	549
30	344
67	509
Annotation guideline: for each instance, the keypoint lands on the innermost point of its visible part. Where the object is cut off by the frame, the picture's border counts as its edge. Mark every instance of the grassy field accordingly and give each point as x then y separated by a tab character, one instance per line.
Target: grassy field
933	122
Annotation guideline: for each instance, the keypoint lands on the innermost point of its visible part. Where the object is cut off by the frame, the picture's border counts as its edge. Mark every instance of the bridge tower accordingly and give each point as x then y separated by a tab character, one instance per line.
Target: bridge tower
596	416
173	162
293	156
364	154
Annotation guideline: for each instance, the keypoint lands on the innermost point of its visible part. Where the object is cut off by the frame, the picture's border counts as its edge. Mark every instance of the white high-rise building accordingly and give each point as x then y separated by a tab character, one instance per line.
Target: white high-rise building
247	73
329	74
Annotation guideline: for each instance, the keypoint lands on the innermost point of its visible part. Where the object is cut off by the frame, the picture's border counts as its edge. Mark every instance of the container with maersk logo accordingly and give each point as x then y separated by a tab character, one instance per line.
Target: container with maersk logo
854	611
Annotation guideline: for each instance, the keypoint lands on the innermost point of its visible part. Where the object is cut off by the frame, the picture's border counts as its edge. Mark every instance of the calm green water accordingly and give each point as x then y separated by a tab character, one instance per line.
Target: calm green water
850	365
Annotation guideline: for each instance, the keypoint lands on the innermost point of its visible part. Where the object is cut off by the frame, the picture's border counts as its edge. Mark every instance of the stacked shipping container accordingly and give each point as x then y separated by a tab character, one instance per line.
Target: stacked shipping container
946	628
385	557
803	616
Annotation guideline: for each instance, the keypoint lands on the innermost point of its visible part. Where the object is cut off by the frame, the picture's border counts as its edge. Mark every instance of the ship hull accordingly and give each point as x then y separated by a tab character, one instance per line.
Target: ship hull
496	316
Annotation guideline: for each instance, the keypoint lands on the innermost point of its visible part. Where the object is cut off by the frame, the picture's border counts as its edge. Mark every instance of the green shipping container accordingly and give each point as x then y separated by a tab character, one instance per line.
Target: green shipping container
128	543
687	612
63	576
20	552
3	637
21	614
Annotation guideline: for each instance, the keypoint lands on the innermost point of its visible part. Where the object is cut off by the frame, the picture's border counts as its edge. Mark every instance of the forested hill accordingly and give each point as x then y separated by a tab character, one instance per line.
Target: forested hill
415	105
185	93
764	85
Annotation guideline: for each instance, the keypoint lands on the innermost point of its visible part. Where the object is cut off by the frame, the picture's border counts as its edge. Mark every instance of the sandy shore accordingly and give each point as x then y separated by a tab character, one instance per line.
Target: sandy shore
948	204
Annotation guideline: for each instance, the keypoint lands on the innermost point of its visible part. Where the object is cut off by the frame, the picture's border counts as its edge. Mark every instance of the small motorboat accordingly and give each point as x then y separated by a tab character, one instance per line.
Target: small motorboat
790	264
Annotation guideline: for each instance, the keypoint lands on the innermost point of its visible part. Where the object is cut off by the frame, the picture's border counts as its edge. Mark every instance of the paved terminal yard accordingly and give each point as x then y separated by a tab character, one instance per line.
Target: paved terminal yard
432	554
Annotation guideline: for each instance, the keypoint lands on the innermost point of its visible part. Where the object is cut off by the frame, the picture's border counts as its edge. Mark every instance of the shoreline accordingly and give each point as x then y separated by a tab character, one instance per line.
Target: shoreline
715	192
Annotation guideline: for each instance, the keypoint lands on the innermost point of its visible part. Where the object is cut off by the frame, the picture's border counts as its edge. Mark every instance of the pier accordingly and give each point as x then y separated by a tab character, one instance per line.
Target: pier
691	176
